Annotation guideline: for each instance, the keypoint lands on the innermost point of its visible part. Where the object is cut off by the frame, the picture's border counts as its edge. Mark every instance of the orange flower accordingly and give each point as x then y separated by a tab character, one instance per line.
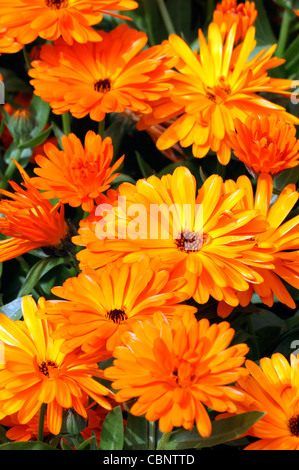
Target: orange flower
272	388
31	222
8	45
50	19
23	432
175	367
197	235
39	372
280	239
111	75
228	12
102	304
265	144
211	89
78	174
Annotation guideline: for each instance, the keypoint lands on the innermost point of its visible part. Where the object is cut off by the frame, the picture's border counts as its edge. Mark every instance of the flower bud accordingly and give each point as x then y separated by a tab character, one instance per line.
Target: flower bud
72	422
22	122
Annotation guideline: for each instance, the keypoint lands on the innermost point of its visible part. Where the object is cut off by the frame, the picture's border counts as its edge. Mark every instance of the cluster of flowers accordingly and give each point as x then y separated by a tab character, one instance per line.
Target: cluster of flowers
129	301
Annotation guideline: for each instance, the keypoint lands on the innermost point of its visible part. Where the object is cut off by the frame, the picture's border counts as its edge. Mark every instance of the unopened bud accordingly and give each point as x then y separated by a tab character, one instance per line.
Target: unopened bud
22	122
72	422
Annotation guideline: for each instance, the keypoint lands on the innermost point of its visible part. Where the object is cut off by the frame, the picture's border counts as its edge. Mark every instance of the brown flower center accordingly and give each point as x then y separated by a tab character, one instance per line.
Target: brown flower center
117	316
294	425
219	93
56	4
190	241
102	86
45	367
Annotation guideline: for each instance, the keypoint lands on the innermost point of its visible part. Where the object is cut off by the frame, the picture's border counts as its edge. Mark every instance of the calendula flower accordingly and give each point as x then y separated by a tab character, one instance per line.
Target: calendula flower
78	174
265	144
272	388
212	89
36	371
229	12
8	45
280	239
31	222
50	19
196	234
100	305
23	432
177	367
111	75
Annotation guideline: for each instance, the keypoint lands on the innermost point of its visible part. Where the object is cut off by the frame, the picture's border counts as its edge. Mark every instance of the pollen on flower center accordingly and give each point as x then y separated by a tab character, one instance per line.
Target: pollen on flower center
46	366
56	4
103	86
190	241
294	425
117	315
218	93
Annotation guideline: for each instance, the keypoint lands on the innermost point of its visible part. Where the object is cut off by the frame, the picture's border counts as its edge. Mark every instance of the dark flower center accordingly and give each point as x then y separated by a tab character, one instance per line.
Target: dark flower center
44	367
294	425
117	316
102	86
56	4
190	241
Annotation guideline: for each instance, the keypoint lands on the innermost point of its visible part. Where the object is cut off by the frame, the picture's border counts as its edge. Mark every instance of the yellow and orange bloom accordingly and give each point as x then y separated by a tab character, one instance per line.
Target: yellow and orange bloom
99	305
72	20
265	144
280	239
31	222
23	432
8	45
36	371
229	12
175	368
197	234
212	89
111	75
78	174
272	388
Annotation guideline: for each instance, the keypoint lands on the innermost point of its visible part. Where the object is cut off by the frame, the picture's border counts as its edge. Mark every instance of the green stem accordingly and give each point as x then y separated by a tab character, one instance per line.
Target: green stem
166	17
284	31
163	441
101	128
42	414
66	124
27	57
10	170
152	435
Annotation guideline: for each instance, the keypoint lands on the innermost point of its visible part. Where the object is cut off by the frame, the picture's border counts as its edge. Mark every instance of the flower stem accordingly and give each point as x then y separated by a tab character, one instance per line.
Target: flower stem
42	413
66	124
284	31
101	128
166	17
163	441
10	169
152	435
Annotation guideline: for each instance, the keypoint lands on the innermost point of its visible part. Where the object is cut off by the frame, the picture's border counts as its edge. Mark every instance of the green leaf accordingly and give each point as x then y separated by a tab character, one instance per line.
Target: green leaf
41	111
112	434
144	167
26	445
224	430
180	13
37	271
13	309
289	176
136	433
39	139
262	24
